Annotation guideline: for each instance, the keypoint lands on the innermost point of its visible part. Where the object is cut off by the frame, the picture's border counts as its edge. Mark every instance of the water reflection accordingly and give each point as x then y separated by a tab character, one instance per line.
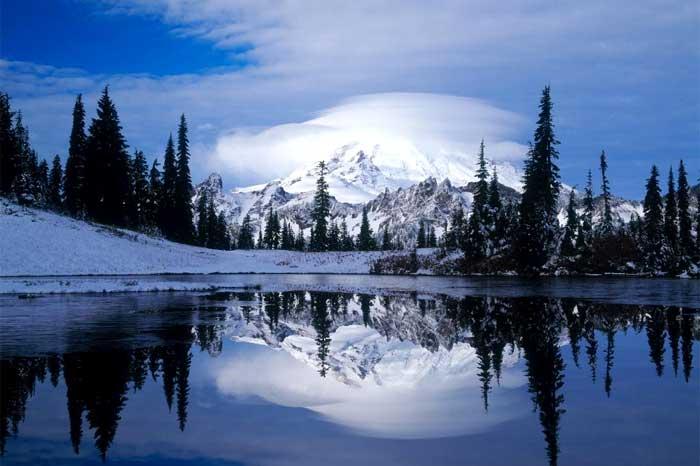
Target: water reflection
390	346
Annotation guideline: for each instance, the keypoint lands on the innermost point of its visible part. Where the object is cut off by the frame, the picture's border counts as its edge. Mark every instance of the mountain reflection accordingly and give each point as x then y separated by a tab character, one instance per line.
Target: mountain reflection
100	382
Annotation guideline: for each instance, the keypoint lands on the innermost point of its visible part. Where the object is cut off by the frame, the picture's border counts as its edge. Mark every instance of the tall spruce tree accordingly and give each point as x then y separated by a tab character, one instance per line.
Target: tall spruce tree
365	240
568	243
421	237
653	223
321	211
607	224
107	166
671	215
9	157
684	221
155	188
386	240
584	238
74	183
24	182
202	219
538	207
55	194
139	190
183	186
167	212
245	234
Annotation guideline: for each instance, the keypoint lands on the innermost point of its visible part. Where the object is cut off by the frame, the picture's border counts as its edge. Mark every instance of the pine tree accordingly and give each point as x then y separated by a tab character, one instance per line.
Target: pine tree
55	196
454	237
684	221
23	184
155	188
300	242
334	237
9	157
319	240
671	215
432	239
202	220
223	235
245	234
41	180
365	241
495	203
538	207
107	166
345	237
74	183
481	192
213	233
183	186
260	244
653	223
607	225
386	240
139	190
421	238
568	243
167	214
584	238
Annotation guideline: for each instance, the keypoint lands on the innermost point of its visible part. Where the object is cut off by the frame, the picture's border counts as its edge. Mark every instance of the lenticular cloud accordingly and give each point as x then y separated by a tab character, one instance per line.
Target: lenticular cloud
431	124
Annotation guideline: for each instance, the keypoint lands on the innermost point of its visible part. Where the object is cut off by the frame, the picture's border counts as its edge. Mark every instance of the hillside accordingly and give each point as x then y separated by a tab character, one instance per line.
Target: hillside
35	243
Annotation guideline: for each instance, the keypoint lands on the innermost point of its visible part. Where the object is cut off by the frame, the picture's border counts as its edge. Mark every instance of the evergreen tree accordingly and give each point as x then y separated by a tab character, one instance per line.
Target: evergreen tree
260	244
334	237
455	235
55	196
481	192
74	183
214	239
365	241
300	243
607	225
167	214
653	223
24	182
671	215
538	207
421	238
495	203
568	243
346	242
139	190
41	180
9	157
183	186
202	220
155	188
684	221
584	238
245	234
432	239
107	166
386	240
319	240
271	238
223	235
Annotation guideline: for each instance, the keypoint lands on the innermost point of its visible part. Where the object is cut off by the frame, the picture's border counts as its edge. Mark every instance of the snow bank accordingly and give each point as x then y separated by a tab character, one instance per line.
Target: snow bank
36	243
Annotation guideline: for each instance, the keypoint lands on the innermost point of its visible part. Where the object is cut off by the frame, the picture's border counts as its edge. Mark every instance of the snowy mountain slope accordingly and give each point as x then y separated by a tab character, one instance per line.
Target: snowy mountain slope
35	242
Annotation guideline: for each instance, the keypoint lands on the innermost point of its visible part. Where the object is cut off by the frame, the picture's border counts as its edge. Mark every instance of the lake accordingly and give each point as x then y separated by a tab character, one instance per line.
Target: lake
319	370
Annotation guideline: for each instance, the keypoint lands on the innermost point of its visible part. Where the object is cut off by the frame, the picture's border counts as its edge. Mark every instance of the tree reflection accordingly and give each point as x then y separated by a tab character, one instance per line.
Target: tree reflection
99	383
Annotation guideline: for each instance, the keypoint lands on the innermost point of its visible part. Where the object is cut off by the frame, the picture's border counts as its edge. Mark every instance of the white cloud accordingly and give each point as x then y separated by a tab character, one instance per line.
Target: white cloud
399	122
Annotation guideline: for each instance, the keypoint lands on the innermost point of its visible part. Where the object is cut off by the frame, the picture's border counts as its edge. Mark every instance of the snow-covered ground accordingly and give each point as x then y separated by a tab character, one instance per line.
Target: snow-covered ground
39	243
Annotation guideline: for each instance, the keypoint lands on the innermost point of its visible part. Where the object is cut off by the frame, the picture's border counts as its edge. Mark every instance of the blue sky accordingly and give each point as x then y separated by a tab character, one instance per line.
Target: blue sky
624	78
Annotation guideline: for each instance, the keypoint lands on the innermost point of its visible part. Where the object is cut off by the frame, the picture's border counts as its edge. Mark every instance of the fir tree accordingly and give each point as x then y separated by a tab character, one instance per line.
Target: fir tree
245	234
538	207
386	240
155	188
684	221
139	190
584	238
454	236
202	220
671	215
167	214
607	225
321	211
334	237
495	203
107	166
653	223
213	234
260	244
55	196
568	246
345	237
183	186
421	238
9	157
23	184
481	192
365	241
74	182
432	239
40	180
300	242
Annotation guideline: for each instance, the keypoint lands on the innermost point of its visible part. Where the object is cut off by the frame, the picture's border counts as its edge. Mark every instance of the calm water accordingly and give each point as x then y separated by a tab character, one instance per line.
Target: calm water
310	371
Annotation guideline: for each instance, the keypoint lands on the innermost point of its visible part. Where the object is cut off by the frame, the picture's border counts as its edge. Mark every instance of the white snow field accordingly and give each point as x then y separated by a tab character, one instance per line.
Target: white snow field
39	243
